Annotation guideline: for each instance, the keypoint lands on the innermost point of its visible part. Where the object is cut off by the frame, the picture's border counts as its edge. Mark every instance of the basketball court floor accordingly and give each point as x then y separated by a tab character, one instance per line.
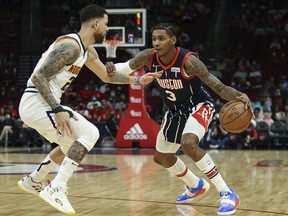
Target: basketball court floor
126	182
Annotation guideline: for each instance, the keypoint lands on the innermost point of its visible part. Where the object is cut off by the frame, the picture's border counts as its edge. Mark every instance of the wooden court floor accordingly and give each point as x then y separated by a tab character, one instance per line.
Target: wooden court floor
125	182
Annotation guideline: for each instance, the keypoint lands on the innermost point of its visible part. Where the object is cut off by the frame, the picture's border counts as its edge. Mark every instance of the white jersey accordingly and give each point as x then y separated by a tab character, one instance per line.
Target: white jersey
60	82
37	113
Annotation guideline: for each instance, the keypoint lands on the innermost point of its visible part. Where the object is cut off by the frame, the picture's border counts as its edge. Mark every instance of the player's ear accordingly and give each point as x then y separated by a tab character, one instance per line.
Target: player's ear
94	24
174	40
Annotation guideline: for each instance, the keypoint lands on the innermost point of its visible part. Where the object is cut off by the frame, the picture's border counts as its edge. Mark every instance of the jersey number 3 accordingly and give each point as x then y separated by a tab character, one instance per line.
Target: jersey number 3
171	96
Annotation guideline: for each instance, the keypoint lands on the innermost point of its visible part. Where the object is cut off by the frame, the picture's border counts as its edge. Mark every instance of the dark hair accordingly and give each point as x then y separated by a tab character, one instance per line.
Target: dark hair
166	26
91	11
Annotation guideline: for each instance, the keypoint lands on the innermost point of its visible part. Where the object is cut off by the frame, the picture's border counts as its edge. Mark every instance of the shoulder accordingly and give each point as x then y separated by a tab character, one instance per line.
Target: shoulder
66	48
191	58
67	42
142	58
146	53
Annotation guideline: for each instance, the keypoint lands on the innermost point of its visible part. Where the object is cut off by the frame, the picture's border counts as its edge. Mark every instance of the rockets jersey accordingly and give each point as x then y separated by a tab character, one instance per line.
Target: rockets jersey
177	90
60	82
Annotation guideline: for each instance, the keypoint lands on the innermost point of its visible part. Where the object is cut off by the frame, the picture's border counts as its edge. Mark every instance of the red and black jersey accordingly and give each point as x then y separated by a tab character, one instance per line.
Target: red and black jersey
177	90
182	95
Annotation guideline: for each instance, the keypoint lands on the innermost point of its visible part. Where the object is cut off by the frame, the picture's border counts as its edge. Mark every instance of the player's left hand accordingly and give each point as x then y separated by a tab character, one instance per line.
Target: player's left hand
110	68
63	123
243	97
149	77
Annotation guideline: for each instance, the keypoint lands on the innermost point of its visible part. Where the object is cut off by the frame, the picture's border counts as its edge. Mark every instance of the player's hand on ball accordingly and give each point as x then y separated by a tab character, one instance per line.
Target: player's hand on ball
243	97
149	77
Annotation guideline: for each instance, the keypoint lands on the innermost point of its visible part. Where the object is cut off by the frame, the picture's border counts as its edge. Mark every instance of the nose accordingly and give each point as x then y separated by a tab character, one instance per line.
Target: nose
155	45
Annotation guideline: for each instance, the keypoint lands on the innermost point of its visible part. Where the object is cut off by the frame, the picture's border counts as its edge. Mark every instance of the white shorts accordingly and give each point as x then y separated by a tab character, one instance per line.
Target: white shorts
197	123
36	113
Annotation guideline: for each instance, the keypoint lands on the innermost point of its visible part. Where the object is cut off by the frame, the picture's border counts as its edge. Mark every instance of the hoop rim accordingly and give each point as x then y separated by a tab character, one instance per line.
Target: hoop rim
111	42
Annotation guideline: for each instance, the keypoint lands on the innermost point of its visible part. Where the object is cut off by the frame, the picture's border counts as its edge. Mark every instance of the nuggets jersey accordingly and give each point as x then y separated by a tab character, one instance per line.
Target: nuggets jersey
177	90
60	82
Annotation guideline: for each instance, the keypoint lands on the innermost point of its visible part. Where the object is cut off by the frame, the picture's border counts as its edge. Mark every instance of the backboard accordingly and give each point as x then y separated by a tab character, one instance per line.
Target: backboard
128	25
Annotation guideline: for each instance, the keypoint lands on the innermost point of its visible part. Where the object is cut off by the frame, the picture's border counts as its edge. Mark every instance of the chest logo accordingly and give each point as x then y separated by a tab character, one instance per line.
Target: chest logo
74	69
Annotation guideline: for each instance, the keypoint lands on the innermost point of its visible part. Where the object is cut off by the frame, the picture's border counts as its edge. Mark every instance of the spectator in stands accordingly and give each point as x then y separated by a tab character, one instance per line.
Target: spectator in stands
86	92
90	104
2	114
258	114
263	102
275	45
83	110
240	73
221	65
30	136
244	86
112	125
217	136
250	135
184	39
267	117
9	130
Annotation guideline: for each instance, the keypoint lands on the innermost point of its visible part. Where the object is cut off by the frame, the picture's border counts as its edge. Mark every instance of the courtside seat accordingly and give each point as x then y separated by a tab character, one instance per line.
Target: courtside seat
278	128
263	135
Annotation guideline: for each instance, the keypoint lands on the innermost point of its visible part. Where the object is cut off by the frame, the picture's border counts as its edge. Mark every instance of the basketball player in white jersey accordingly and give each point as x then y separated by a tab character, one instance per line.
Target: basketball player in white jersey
40	106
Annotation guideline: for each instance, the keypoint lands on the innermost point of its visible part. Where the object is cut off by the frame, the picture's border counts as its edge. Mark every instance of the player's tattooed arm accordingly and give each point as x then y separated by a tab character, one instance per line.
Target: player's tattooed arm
141	59
77	152
194	66
64	54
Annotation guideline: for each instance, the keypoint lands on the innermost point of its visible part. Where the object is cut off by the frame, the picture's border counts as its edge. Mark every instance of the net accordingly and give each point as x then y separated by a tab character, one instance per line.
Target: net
111	47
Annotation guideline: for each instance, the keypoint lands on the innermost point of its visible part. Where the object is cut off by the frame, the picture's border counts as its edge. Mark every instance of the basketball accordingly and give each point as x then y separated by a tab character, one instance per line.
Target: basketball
234	117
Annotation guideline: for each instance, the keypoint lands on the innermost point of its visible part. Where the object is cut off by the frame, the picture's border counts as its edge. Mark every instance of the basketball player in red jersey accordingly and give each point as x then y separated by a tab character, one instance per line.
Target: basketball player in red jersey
190	110
40	106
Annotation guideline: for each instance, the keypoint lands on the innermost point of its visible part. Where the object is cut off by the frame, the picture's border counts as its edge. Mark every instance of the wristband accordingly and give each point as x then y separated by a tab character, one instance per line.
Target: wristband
137	80
61	109
123	68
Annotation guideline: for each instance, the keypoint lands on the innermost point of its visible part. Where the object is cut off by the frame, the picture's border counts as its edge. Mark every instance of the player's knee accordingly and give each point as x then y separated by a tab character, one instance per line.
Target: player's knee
165	160
156	160
90	138
189	144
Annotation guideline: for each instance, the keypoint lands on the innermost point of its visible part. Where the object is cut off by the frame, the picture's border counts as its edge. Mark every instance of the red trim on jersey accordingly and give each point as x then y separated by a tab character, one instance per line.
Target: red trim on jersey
182	67
151	60
183	174
172	63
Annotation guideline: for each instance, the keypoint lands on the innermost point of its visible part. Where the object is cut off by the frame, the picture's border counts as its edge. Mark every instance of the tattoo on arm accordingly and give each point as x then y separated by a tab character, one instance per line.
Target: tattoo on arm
119	78
193	66
196	67
141	59
64	54
77	152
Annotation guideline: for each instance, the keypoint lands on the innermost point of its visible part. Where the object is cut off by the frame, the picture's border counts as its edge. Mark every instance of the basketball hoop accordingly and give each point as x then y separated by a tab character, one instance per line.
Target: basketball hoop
111	47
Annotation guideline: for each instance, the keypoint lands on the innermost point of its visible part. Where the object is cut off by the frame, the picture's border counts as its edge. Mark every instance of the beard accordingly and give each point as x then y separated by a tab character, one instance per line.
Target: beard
99	38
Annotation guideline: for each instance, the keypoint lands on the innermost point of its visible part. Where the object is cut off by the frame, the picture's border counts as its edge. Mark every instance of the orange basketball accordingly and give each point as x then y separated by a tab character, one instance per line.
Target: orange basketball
234	117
